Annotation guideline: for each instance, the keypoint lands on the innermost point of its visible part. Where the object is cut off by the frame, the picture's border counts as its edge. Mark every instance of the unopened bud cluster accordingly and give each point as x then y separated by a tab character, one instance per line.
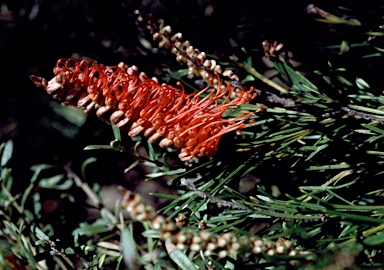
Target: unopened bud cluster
200	66
205	241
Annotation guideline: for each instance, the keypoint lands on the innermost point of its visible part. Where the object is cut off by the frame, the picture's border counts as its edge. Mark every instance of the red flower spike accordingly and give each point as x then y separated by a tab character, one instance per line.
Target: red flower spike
122	96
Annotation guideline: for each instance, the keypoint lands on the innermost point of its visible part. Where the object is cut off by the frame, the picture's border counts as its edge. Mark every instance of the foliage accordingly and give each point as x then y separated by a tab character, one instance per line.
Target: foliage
307	172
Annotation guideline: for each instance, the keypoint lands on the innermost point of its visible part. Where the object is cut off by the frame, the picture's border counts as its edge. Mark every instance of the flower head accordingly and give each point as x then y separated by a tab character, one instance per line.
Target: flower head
119	95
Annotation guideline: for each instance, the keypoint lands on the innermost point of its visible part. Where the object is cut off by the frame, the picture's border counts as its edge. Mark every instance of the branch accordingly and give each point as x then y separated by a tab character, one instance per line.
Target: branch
366	116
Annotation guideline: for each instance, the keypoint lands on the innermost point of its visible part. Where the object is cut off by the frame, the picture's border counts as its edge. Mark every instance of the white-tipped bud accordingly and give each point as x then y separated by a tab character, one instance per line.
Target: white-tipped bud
201	57
205	236
213	64
156	36
176	37
221	242
211	246
195	247
228	73
181	238
218	69
158	222
207	63
190	51
180	58
180	246
186	44
256	250
280	248
166	30
235	246
222	254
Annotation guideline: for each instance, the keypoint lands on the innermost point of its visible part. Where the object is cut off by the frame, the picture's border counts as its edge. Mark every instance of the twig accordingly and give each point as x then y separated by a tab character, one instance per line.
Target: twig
88	191
222	202
61	254
366	116
273	98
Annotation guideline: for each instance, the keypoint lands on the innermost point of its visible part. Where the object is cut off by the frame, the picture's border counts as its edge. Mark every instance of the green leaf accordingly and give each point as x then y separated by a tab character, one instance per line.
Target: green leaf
329	167
116	133
99	226
101	260
160	174
117	146
178	256
366	109
98	147
151	233
361	84
40	234
248	78
85	164
298	80
6	153
69	251
133	165
130	254
54	182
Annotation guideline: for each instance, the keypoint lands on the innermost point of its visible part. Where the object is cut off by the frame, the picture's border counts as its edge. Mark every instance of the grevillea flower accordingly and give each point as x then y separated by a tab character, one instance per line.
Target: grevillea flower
119	95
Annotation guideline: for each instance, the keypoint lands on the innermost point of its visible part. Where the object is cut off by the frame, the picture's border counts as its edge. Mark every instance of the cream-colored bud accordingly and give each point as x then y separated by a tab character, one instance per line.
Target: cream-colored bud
222	254
228	73
235	246
181	238
280	248
189	51
156	36
158	222
201	57
211	246
221	242
166	30
186	44
287	244
176	37
218	69
195	247
213	64
205	236
180	58
256	250
181	246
